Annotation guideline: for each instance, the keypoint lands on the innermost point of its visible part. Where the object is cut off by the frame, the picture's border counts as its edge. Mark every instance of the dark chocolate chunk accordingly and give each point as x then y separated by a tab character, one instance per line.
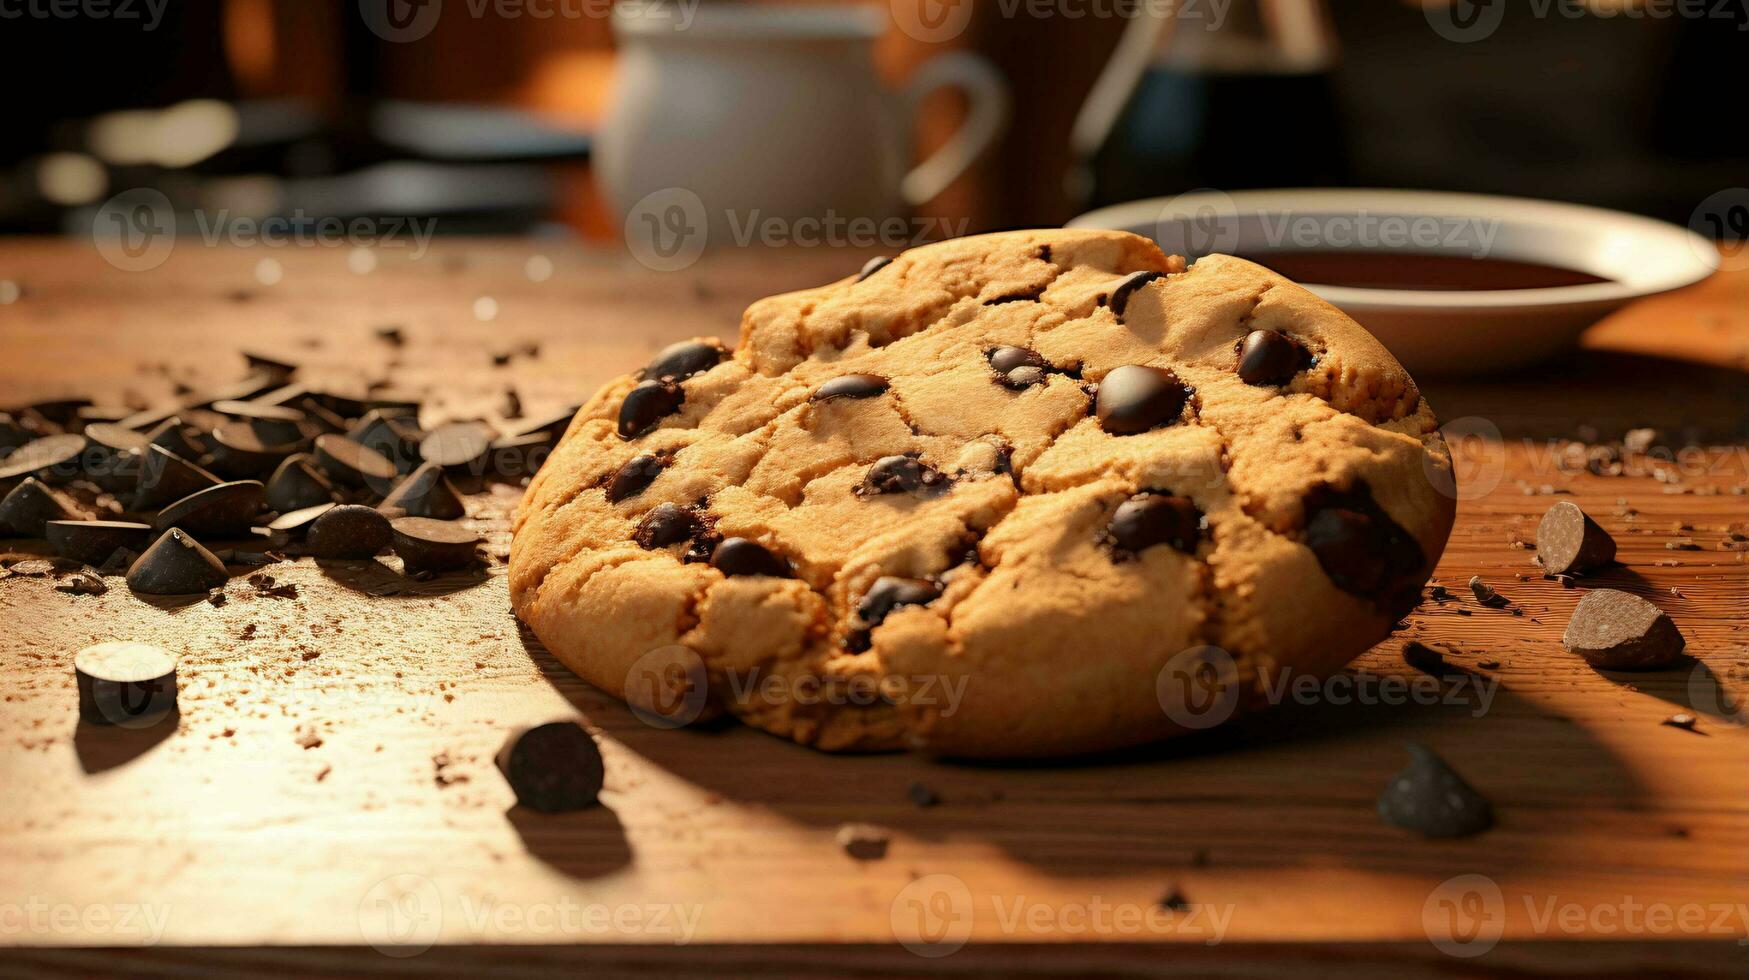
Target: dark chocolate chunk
850	386
664	525
297	484
12	435
863	842
1432	800
176	564
1569	542
296	522
677	362
225	510
873	266
1270	357
112	455
350	531
355	465
92	542
636	475
425	493
1151	518
901	474
426	545
1364	551
552	768
396	437
274	424
1486	594
516	457
166	477
462	445
52	459
647	405
886	594
740	556
1135	399
29	506
553	425
1616	630
123	683
1126	287
239	452
173	435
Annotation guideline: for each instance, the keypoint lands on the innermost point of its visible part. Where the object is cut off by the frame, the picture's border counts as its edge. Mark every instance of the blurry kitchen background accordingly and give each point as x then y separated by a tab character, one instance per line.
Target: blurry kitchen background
486	123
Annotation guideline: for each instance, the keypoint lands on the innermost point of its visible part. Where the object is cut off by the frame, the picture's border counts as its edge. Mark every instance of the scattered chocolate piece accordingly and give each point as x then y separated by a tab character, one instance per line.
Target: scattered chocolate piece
173	435
1681	544
29	506
863	842
1152	518
298	484
901	474
873	266
426	545
296	522
636	475
226	510
52	459
1174	900
395	437
239	452
647	405
125	683
166	478
850	386
1126	287
517	457
176	564
427	492
112	455
1682	720
12	435
273	424
462	445
1486	595
677	362
82	582
349	531
1569	542
92	542
1430	660
664	525
355	465
118	562
1134	399
392	335
922	796
740	556
267	364
1364	551
1270	357
1432	800
1616	630
552	768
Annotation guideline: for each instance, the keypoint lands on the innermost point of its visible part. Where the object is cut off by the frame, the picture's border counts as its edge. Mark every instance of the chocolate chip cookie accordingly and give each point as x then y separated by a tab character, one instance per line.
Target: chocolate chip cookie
976	499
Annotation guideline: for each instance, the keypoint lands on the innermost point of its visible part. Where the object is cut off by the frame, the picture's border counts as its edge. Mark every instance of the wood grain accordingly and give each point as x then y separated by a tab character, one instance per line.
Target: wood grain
329	782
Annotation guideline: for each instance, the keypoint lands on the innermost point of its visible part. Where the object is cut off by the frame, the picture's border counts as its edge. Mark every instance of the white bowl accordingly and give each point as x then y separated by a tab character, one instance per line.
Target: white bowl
1440	331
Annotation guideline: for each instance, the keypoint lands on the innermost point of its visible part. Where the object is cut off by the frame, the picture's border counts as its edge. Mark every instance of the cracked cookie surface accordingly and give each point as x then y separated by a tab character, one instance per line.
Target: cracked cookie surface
978	499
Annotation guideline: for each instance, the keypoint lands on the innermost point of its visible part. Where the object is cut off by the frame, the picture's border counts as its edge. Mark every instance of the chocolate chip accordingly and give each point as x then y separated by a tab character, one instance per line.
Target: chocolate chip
1486	594
1432	800
173	435
1126	287
462	445
426	545
1569	542
349	531
677	362
274	424
29	506
125	683
1135	399
92	542
225	510
553	768
553	424
176	564
873	266
1151	518
1269	357
425	493
268	364
395	437
740	556
1364	551
166	477
12	435
636	475
297	484
1017	368
850	386
1616	630
886	594
294	523
239	452
664	525
53	459
355	465
112	455
901	474
646	405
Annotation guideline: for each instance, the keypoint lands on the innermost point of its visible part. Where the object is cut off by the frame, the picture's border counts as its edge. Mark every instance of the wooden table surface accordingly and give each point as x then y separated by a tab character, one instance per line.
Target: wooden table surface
329	781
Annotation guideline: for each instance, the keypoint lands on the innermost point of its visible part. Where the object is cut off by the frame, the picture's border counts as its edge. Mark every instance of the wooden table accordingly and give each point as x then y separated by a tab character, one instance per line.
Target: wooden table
328	792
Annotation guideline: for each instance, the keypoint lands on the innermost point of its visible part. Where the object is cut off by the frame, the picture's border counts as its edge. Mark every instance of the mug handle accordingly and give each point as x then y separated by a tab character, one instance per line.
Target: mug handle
987	117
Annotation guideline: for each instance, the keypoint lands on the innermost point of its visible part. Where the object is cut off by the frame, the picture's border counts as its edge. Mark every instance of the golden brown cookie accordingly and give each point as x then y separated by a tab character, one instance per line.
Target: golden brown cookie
988	499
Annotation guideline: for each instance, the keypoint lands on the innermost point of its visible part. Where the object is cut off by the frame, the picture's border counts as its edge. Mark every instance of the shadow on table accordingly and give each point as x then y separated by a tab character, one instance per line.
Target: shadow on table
103	747
373	578
585	844
1689	685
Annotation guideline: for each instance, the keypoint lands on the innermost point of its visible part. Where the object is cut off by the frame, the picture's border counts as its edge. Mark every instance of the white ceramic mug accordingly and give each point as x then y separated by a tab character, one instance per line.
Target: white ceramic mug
768	114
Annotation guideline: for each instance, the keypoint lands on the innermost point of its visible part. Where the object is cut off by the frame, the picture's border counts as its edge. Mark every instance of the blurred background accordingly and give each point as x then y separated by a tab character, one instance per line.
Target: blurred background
489	115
